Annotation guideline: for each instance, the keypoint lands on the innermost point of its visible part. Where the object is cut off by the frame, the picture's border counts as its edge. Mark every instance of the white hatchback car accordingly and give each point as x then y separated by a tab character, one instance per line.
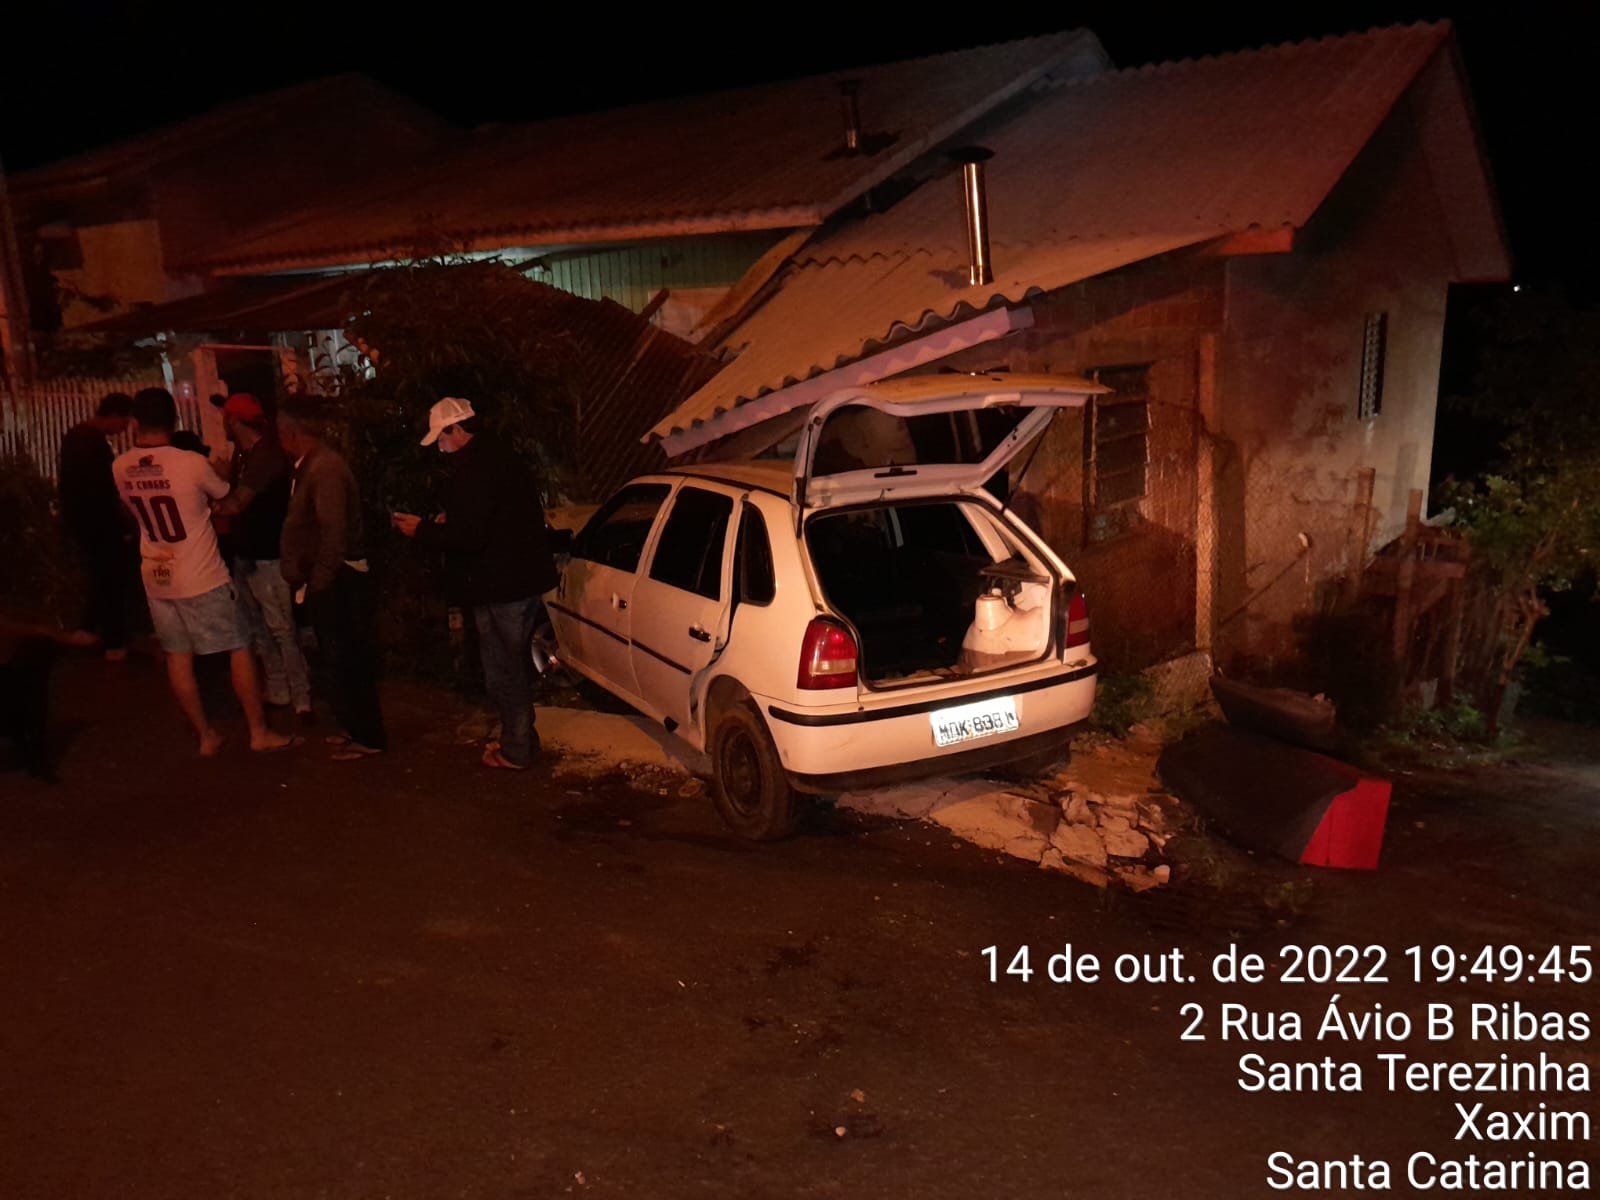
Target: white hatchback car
867	612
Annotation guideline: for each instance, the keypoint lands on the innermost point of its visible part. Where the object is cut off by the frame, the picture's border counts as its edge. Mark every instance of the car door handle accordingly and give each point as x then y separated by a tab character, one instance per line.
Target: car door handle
618	601
698	634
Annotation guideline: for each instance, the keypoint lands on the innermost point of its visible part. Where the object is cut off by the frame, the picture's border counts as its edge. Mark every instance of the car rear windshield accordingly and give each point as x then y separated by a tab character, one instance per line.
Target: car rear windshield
858	438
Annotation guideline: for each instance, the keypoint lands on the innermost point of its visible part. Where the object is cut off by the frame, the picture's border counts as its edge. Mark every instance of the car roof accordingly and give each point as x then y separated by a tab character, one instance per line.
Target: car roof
768	474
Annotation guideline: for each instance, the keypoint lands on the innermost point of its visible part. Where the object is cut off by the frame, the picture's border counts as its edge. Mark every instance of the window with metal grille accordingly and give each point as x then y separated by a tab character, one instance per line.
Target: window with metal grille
1374	346
1117	448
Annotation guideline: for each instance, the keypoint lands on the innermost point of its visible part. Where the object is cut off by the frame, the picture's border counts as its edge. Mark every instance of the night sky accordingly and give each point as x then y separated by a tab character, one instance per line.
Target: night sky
88	71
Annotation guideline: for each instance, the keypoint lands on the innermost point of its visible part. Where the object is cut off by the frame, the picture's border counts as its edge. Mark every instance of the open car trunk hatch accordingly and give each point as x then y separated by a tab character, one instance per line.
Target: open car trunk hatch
935	589
929	435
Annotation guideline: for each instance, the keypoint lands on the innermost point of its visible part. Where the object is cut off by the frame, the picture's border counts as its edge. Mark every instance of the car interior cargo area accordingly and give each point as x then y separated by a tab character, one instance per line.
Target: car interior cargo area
927	593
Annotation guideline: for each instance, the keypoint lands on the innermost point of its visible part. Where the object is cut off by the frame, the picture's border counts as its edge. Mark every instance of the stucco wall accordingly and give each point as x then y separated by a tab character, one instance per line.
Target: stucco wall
1293	445
122	263
1254	438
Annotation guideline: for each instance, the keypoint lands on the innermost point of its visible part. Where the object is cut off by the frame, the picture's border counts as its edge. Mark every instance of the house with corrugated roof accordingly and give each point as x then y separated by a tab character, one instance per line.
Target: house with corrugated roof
131	224
661	207
1253	251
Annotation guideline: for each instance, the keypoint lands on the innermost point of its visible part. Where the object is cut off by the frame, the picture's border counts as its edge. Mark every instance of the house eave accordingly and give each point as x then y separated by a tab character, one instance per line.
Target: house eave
901	357
594	234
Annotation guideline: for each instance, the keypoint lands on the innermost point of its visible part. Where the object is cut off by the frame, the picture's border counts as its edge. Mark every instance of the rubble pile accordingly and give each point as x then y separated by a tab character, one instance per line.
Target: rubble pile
1103	820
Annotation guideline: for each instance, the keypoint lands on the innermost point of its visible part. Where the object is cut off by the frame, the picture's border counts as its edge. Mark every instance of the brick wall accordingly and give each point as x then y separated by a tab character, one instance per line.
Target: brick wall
1141	582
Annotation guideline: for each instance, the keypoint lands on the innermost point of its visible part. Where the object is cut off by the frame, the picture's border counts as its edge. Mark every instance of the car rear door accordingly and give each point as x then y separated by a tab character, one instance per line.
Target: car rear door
592	610
681	599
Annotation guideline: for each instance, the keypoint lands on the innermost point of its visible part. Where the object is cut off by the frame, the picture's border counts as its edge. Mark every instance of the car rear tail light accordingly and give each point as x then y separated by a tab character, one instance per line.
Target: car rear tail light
1077	621
827	656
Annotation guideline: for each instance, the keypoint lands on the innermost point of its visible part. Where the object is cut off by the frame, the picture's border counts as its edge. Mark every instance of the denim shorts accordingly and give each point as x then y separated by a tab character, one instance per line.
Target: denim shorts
209	623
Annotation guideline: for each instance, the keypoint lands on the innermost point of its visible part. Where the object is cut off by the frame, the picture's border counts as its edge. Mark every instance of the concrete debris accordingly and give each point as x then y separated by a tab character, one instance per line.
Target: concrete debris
1120	802
1122	839
1101	818
1001	821
1138	879
1080	820
1079	843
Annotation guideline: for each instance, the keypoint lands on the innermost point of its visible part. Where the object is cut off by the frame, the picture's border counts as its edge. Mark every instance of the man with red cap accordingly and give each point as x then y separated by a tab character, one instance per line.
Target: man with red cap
257	505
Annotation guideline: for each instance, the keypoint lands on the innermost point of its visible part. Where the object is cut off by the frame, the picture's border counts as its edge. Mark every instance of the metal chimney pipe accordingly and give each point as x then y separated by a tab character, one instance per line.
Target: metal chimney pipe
849	93
972	158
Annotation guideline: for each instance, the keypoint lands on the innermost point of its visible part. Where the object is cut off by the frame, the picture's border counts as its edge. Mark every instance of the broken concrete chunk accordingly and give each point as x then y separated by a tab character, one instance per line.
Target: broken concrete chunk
1119	802
1079	843
1005	822
1152	817
1122	839
1139	879
1075	806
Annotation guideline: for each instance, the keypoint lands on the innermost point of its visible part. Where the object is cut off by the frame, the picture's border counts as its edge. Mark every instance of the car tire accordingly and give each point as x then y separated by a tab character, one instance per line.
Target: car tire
751	789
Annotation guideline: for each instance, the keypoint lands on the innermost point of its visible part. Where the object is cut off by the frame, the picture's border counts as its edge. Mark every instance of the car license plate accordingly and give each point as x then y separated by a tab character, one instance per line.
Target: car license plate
969	722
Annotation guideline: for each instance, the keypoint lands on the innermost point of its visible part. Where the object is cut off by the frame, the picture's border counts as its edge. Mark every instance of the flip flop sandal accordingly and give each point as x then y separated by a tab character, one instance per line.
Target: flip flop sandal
493	758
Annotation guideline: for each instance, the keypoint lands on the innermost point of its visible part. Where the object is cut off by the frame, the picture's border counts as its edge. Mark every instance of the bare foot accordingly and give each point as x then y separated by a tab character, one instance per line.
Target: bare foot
267	741
210	743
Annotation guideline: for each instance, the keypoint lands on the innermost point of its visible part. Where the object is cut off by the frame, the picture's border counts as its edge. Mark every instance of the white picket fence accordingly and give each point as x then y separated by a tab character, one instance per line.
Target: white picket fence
33	421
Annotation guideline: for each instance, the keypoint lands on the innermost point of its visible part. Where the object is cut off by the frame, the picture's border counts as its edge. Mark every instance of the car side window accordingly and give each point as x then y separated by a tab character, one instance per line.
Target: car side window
616	534
753	577
689	555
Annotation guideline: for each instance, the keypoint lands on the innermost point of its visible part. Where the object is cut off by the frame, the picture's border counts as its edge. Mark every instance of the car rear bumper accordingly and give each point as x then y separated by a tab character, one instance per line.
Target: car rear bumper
977	758
848	746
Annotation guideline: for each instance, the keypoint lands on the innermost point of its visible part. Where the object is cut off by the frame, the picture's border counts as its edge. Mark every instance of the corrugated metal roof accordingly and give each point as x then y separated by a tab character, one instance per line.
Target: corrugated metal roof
1085	178
759	157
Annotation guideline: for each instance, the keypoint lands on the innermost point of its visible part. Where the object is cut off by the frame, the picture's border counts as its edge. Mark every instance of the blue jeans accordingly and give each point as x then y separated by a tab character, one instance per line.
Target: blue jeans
504	631
267	604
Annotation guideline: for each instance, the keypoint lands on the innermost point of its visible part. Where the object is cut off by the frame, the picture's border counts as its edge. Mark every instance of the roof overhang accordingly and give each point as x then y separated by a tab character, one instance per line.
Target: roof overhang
265	306
497	241
986	327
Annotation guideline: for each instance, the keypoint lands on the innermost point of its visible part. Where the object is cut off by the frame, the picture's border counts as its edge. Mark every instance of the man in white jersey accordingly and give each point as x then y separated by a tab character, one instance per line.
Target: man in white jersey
169	491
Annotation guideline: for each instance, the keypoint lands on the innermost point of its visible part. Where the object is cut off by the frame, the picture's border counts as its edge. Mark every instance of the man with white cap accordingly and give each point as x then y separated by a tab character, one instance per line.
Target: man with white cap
497	562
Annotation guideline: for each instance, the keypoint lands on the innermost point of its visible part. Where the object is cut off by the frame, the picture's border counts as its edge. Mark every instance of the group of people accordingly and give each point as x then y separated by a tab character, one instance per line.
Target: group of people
291	523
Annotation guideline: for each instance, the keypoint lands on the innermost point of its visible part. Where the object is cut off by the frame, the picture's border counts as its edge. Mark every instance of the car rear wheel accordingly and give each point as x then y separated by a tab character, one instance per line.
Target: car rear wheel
752	792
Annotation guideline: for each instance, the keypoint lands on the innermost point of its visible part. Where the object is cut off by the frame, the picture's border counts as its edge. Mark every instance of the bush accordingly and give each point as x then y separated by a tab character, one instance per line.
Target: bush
481	331
1121	701
1459	722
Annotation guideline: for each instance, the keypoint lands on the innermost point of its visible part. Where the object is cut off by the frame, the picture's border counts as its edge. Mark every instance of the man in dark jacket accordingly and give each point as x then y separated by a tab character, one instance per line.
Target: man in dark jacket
95	519
323	559
497	562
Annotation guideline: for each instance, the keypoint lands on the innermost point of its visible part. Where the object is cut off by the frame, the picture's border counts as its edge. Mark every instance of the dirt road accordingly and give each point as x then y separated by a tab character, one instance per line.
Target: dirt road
284	977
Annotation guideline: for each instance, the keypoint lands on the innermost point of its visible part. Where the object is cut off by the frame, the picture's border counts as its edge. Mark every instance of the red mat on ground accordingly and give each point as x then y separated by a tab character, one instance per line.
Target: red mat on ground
1281	799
